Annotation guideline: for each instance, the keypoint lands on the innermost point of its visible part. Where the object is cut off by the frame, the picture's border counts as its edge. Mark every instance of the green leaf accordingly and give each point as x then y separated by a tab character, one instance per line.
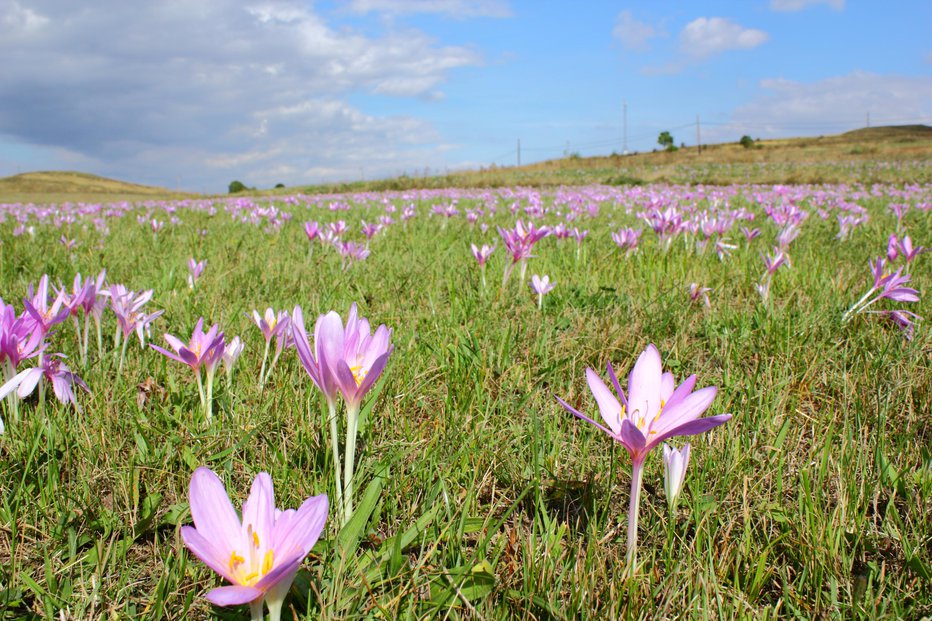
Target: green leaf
463	582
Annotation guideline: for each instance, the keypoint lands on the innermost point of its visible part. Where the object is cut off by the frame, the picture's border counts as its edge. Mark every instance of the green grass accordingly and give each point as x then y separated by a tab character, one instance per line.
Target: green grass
479	497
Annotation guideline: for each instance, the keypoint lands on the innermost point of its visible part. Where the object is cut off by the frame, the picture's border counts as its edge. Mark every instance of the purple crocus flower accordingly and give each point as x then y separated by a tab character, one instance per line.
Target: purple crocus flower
541	286
654	410
203	350
312	230
272	324
905	247
482	256
347	360
54	371
627	239
697	293
195	269
259	553
37	306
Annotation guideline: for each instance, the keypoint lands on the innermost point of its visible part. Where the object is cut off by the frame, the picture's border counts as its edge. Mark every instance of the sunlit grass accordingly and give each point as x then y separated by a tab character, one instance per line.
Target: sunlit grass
478	495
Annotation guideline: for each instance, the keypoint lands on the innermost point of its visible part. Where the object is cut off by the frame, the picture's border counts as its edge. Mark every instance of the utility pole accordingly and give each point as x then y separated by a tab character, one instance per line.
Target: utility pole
519	152
698	136
624	146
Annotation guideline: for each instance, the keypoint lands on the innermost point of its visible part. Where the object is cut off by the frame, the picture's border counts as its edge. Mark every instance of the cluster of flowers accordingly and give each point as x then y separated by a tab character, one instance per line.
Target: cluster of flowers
890	285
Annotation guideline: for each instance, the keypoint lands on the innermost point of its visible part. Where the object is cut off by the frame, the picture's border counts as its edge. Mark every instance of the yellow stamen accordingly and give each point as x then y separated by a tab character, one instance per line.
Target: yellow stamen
255	539
235	559
358	373
251	579
267	562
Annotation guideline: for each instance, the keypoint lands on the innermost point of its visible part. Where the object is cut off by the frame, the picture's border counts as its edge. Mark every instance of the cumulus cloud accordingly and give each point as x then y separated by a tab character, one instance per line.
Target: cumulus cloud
633	34
836	104
151	89
452	8
798	5
706	36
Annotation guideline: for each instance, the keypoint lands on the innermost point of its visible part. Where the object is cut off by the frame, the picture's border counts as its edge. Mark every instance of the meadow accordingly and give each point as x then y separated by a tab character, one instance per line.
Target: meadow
478	495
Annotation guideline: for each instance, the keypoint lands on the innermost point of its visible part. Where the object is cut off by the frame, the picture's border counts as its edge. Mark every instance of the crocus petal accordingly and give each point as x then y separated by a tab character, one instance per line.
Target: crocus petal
300	530
691	428
372	376
233	595
171	355
29	381
618	389
215	555
569	408
13	383
213	513
666	386
685	410
632	438
644	385
682	390
328	340
609	407
259	508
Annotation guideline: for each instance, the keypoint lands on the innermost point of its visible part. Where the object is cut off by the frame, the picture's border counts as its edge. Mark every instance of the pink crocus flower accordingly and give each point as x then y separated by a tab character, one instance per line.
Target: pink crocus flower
541	286
272	324
195	269
482	256
674	472
346	360
37	306
627	239
750	234
231	353
892	248
312	230
697	293
54	371
905	247
654	410
205	349
891	287
260	551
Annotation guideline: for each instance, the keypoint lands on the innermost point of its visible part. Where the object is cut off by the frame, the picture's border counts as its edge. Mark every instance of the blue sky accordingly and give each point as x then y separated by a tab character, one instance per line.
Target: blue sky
194	95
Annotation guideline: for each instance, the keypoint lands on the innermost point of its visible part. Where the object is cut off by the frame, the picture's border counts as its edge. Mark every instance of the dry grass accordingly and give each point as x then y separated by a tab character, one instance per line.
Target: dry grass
64	186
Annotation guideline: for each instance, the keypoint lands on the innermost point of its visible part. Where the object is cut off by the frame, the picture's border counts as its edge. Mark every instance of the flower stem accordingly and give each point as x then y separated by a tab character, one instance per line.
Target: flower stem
255	609
352	420
210	394
200	389
265	357
334	445
122	354
637	473
856	307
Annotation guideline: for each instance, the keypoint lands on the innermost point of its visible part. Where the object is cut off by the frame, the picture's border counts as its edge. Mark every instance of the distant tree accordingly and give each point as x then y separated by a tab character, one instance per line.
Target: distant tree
746	141
279	185
665	140
237	186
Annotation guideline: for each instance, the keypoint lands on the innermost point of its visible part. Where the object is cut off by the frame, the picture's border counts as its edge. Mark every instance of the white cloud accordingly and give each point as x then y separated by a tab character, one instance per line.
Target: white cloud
143	92
15	17
706	36
633	34
835	104
798	5
452	8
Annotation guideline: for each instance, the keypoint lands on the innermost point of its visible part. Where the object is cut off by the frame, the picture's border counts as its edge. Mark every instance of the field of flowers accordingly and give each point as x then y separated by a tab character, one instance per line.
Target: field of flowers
456	395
